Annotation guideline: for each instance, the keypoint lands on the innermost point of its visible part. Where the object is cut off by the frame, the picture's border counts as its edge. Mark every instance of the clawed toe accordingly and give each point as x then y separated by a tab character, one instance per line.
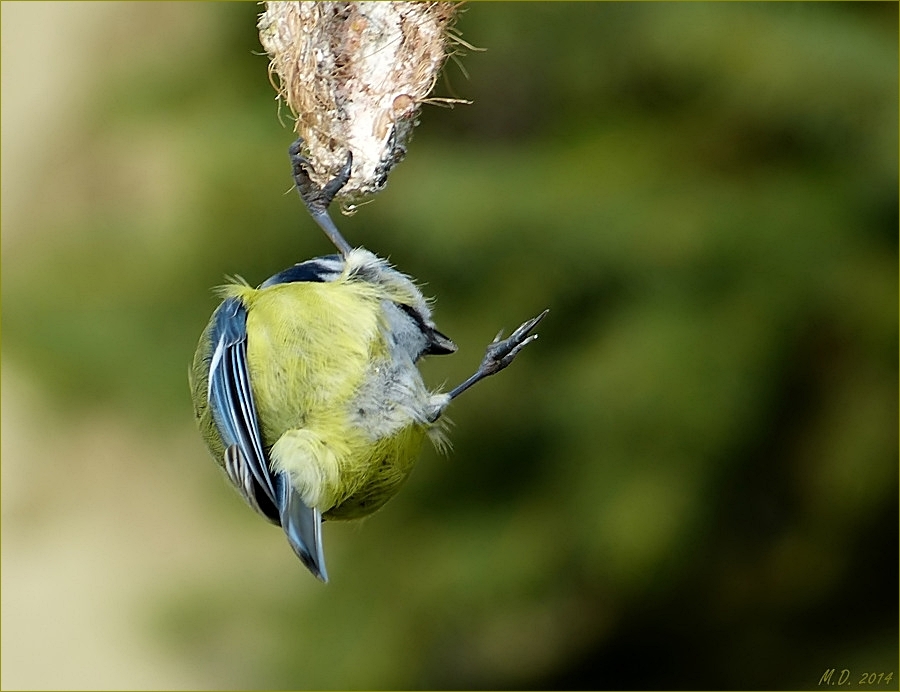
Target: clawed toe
500	353
318	199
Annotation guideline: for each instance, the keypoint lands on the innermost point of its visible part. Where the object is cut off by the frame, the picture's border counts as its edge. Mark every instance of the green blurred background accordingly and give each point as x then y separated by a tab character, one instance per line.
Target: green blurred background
690	480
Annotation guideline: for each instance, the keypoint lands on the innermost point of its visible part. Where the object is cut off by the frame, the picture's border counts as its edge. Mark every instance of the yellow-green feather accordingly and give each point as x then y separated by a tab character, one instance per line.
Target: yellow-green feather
198	378
310	347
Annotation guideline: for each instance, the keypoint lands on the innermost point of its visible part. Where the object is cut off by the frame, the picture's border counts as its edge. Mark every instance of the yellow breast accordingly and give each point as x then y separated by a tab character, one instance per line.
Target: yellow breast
313	350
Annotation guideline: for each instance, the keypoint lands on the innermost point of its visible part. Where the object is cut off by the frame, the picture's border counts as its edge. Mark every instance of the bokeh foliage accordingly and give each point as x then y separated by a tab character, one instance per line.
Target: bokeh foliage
689	481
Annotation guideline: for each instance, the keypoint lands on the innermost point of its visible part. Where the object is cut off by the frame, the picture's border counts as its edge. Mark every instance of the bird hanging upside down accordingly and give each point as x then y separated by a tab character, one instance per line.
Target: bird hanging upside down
306	389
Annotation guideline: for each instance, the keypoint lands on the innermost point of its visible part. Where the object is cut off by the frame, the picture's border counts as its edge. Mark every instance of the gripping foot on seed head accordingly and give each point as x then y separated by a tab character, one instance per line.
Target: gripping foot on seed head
318	199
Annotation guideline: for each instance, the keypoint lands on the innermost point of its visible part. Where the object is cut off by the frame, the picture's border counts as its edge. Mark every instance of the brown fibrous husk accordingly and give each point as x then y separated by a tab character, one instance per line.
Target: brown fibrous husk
354	75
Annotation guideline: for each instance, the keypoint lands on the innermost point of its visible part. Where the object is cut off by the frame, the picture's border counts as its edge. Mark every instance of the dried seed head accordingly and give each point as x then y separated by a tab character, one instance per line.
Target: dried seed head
354	74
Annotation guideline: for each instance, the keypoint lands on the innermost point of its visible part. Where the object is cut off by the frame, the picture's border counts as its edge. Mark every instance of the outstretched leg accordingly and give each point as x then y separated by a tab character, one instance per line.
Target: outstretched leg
499	355
318	199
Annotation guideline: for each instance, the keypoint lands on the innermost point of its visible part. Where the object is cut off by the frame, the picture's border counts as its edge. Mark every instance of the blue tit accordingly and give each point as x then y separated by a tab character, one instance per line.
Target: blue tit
306	388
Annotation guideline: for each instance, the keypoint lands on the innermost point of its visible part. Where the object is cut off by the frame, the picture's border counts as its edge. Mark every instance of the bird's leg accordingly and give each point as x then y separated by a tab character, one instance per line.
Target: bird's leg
499	354
318	199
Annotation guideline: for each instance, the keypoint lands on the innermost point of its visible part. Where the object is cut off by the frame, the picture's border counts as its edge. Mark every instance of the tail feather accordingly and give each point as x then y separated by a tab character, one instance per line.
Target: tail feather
303	527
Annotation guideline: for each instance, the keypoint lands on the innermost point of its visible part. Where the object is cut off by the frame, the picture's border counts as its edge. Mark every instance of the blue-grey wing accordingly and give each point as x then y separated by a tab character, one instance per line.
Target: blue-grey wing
234	412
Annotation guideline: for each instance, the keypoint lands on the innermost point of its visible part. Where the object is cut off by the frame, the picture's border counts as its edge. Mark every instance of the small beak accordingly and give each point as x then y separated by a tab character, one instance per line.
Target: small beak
439	345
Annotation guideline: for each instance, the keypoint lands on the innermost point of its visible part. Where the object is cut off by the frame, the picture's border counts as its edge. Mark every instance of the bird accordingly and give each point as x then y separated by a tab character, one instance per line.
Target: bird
306	389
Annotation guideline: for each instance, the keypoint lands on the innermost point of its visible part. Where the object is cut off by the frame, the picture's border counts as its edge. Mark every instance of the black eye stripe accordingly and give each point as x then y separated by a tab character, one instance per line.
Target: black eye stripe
434	337
415	316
